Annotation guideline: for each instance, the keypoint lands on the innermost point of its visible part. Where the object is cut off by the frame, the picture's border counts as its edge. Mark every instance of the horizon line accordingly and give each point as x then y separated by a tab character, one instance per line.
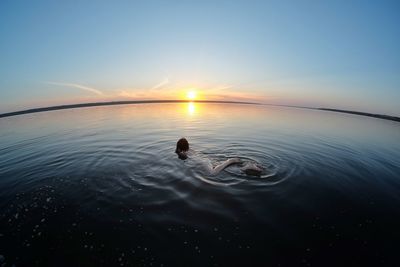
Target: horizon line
112	103
131	102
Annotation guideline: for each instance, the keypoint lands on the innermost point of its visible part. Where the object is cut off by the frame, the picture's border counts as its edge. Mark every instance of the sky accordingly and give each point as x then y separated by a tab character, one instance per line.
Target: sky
337	54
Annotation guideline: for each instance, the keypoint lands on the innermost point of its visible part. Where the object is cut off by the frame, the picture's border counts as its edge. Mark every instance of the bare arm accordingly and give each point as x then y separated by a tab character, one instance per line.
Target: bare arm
217	169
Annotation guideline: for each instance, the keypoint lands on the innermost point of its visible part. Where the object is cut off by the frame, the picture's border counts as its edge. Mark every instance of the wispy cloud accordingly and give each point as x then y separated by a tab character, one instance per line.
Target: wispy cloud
161	84
78	86
158	91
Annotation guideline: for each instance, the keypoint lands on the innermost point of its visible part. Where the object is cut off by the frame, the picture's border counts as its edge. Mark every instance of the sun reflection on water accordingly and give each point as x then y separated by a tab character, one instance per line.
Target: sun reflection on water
191	108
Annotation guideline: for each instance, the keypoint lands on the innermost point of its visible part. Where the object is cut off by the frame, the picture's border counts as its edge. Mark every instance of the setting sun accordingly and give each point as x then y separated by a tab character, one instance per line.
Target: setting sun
191	95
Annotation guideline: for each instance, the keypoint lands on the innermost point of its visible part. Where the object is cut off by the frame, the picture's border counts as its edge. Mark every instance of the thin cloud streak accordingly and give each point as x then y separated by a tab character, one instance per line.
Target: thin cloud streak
78	86
161	84
158	91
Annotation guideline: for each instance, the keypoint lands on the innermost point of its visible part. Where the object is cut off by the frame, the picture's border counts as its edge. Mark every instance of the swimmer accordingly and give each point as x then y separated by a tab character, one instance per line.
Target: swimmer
183	151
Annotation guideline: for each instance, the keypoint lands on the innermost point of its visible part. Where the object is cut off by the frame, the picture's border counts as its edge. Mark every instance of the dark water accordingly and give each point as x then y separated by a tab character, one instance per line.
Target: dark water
102	187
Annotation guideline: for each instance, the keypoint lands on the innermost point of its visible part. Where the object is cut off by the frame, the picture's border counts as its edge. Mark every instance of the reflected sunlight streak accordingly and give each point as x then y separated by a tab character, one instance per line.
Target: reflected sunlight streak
191	108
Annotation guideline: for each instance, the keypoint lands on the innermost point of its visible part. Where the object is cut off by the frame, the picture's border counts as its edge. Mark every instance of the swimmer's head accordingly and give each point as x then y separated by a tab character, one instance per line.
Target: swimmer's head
182	146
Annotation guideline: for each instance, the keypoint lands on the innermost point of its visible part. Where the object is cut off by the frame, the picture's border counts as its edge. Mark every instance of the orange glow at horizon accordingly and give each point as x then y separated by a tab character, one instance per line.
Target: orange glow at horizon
184	93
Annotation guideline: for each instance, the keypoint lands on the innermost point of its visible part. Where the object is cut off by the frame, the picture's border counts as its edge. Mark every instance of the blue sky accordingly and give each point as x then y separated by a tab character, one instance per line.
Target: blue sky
341	54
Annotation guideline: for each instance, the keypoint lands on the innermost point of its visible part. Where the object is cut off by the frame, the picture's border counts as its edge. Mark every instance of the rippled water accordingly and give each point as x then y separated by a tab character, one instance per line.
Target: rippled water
103	186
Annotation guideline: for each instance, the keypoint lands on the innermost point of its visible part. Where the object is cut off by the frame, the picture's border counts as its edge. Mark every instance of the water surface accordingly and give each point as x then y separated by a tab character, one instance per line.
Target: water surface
102	186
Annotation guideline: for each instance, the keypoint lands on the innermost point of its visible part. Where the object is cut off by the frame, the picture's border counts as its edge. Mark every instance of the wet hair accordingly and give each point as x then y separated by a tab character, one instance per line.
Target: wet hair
182	146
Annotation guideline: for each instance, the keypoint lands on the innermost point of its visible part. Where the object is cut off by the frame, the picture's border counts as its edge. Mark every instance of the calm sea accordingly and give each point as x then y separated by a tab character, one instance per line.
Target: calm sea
102	186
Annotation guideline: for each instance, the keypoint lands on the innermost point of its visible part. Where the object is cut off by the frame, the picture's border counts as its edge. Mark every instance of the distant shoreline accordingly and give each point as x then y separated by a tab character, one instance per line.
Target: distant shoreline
112	103
378	116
